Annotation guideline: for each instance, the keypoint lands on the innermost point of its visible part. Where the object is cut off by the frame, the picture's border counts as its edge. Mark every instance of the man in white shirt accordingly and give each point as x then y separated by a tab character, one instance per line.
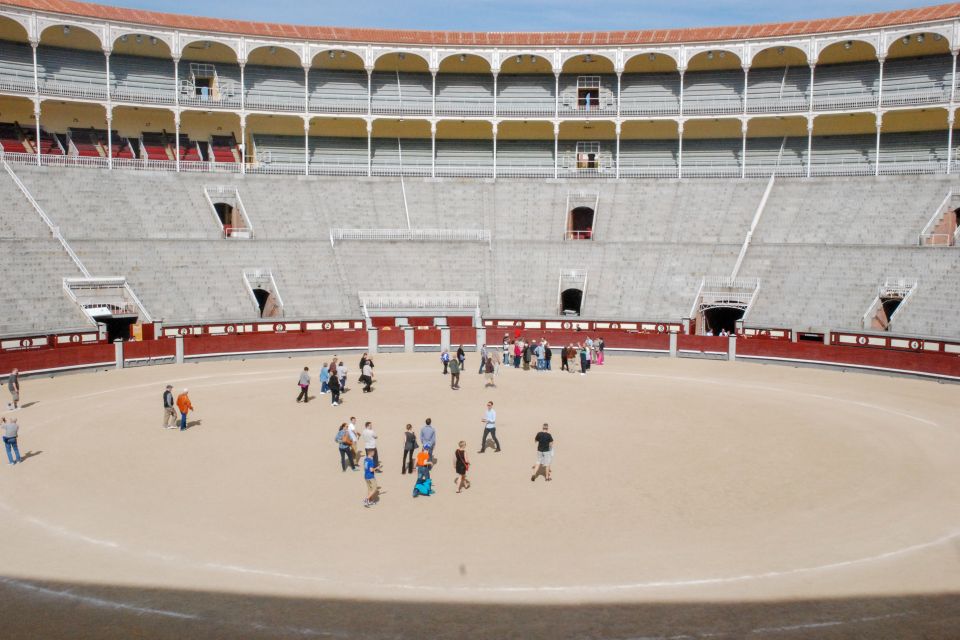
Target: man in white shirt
370	442
489	421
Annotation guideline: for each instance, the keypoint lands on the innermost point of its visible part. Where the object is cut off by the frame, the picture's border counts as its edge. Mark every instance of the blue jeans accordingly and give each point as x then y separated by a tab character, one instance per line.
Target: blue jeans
11	443
183	421
324	387
541	364
422	474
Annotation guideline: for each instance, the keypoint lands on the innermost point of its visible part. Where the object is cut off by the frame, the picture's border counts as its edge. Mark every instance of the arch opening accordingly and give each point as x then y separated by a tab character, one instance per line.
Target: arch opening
580	223
570	301
721	321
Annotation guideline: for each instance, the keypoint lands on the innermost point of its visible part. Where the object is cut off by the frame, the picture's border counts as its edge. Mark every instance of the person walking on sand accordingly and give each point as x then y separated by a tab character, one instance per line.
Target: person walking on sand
461	356
304	384
489	369
13	386
455	375
10	431
489	421
366	376
324	378
334	384
345	445
461	465
169	409
370	470
409	447
185	407
544	453
445	359
369	437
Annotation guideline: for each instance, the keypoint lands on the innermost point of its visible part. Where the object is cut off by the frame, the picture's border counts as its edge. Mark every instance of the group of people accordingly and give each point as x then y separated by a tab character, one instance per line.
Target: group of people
175	411
539	354
333	379
9	429
351	442
489	366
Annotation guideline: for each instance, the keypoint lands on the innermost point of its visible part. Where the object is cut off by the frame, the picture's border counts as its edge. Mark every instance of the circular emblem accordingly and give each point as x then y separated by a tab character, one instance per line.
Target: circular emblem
75	338
183	331
614	326
567	325
26	342
661	328
231	328
327	326
861	340
278	327
518	323
915	344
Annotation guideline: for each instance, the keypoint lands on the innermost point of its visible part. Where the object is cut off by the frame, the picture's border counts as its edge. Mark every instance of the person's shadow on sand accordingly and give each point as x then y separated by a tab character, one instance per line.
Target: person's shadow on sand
194	423
29	454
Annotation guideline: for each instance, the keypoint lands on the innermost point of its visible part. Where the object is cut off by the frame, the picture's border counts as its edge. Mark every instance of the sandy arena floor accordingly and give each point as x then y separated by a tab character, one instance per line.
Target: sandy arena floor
690	499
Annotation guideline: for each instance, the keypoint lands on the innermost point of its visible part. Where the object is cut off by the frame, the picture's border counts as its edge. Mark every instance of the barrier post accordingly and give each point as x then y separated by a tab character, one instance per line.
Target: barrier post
179	341
444	339
408	339
673	344
372	340
118	351
732	348
481	338
826	338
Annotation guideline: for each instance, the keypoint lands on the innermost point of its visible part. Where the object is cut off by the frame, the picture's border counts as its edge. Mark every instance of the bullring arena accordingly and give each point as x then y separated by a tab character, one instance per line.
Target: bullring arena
760	223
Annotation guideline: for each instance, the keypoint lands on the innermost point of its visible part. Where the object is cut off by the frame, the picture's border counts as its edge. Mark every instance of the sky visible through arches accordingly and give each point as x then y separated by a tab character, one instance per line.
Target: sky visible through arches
521	15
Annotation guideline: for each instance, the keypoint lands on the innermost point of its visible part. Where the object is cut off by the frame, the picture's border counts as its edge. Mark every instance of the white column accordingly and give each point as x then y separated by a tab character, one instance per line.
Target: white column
176	139
953	75
109	136
809	144
813	68
433	93
556	148
617	128
619	86
950	118
306	145
369	91
36	79
556	94
243	87
495	73
243	143
746	85
743	151
495	128
877	157
306	88
36	117
433	148
106	55
682	70
176	82
880	92
680	150
369	148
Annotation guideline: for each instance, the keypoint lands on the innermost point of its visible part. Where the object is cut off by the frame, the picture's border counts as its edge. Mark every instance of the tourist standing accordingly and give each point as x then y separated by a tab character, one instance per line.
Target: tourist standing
334	384
342	374
506	348
325	378
455	375
370	470
517	353
13	386
547	355
544	442
370	442
304	385
185	407
10	432
483	358
428	437
366	376
461	356
461	465
489	369
489	421
409	446
445	359
600	345
345	445
169	409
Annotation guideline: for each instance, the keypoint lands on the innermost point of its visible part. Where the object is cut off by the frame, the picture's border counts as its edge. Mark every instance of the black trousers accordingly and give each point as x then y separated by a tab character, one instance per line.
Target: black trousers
303	393
564	365
492	433
367	381
346	459
407	465
334	395
445	365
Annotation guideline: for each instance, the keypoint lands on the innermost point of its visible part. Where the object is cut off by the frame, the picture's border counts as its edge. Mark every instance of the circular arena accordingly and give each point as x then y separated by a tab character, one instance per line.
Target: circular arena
745	239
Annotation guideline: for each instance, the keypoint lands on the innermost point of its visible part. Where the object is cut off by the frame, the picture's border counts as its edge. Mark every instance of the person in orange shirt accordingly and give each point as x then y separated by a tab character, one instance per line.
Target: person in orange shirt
185	406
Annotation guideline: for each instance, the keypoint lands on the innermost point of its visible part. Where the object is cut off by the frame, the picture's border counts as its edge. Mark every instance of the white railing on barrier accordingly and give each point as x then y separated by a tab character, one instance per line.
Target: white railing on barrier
398	301
424	235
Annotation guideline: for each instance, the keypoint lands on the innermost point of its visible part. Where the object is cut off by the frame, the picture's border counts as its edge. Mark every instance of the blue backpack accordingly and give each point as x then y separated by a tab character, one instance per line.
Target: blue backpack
424	488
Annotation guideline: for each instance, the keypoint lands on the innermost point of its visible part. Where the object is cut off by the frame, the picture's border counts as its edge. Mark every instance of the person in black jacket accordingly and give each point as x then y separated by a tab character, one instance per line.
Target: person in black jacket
334	384
169	409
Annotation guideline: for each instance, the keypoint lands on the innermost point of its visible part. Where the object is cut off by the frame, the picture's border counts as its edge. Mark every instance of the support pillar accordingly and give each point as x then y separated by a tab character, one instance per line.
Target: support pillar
681	70
556	94
680	150
433	93
176	83
876	161
951	116
243	143
732	348
444	338
826	338
36	117
495	128
433	144
372	340
673	345
746	86
369	91
306	145
369	148
109	136
179	343
617	128
243	86
809	145
813	68
481	338
408	339
176	127
306	87
556	150
496	72
118	353
619	84
743	149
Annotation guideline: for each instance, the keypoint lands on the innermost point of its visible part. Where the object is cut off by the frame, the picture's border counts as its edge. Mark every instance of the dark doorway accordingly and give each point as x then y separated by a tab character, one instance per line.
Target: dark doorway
718	319
580	224
225	213
118	327
890	306
262	295
570	301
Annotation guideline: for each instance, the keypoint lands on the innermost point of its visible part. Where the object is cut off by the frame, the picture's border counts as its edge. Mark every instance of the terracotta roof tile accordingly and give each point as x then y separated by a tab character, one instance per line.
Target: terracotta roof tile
454	38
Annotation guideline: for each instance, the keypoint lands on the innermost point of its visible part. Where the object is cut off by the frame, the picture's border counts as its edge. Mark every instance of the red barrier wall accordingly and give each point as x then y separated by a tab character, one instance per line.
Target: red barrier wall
238	343
390	337
702	343
57	358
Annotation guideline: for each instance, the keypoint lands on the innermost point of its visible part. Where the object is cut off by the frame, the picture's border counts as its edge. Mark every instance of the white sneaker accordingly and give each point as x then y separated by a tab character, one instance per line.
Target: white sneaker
335	404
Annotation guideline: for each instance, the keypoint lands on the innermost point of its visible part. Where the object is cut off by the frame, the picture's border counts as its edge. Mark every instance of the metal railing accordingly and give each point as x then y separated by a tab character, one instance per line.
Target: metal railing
419	235
396	301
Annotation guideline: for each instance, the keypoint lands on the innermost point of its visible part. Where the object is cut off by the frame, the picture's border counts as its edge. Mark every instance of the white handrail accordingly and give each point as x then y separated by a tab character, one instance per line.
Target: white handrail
53	228
753	227
426	235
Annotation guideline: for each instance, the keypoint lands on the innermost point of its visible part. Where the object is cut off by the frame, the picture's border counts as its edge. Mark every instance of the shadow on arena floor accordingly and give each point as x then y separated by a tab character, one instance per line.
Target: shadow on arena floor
55	610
